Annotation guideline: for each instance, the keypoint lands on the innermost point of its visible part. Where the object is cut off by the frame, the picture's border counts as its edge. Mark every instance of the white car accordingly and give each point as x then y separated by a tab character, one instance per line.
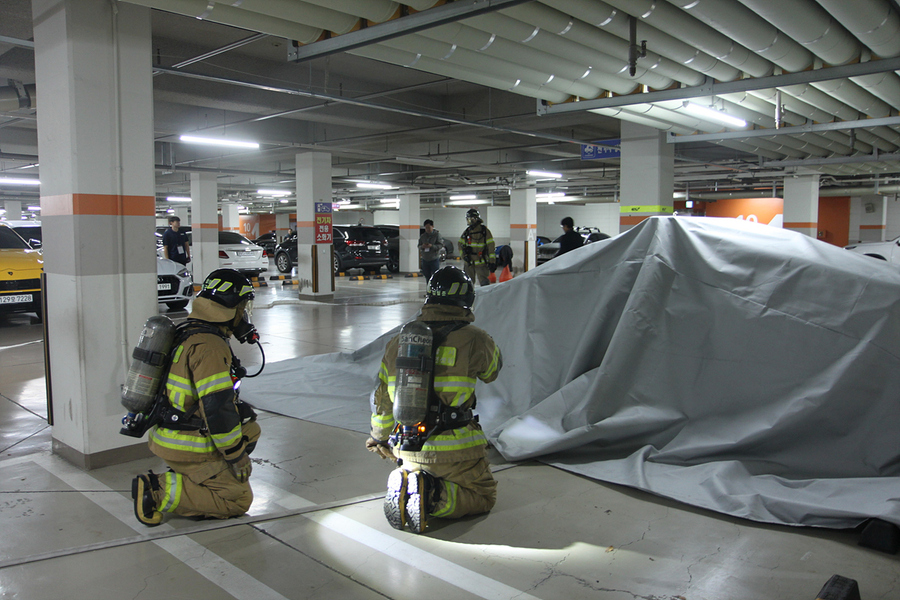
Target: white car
889	251
235	252
174	284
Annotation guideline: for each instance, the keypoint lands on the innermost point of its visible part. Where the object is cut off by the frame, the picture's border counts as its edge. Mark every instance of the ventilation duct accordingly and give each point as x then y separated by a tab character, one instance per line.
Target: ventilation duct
874	22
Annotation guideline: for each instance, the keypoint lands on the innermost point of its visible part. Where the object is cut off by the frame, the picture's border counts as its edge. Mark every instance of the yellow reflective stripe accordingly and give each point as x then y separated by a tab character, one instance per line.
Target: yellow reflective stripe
382	420
450	501
178	389
463	387
383	373
227	440
177	354
466	438
176	440
214	383
446	355
173	486
489	241
495	360
391	386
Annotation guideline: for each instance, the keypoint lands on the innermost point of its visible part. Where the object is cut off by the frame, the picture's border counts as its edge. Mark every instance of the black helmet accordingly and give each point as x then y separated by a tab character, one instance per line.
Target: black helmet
472	216
227	287
450	286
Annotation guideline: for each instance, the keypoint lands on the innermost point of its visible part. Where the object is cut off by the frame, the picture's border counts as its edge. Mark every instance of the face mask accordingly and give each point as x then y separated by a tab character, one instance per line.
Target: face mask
244	330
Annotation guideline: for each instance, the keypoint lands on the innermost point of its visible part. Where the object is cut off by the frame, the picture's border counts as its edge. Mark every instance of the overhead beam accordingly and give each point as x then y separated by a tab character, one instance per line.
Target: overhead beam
373	34
673	138
16	42
711	88
834	160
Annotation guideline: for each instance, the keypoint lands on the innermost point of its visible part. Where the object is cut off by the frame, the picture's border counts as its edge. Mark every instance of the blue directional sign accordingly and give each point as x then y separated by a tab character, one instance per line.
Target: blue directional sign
591	152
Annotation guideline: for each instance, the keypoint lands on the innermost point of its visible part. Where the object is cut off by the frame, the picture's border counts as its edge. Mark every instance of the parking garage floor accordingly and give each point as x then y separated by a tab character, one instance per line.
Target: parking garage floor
316	528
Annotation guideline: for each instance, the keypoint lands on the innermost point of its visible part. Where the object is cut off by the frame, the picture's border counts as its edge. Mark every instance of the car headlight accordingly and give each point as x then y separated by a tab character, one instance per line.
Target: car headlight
184	273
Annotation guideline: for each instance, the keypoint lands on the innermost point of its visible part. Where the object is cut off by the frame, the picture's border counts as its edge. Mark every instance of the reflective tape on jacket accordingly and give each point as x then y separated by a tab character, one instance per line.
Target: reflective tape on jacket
461	387
182	440
214	383
450	502
495	362
383	423
224	441
178	389
455	439
172	485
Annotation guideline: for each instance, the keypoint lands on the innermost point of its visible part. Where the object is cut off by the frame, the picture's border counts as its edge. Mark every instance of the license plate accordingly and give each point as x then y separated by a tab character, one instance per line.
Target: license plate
247	253
374	247
163	287
15	299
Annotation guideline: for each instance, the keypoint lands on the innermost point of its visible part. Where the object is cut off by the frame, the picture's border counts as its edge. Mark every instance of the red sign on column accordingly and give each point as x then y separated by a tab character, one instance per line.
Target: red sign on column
323	223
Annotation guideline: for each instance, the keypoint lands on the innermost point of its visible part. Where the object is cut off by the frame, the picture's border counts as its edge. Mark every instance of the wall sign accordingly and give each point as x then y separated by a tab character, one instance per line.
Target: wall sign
323	223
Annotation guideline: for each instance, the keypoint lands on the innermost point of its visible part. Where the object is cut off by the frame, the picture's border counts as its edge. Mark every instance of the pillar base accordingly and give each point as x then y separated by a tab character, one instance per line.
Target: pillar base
115	456
317	297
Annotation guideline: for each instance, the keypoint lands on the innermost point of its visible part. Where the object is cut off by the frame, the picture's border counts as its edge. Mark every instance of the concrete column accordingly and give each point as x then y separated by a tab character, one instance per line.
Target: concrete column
647	176
282	225
315	261
523	228
872	217
231	218
409	233
13	210
801	203
95	134
204	226
183	213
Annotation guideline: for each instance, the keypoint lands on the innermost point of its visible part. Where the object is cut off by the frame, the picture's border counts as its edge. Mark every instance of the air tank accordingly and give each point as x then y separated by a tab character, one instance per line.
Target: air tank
150	360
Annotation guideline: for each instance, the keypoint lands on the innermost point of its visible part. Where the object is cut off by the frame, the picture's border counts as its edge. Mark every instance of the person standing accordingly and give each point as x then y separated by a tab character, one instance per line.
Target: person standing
570	239
207	446
430	244
476	244
175	242
446	474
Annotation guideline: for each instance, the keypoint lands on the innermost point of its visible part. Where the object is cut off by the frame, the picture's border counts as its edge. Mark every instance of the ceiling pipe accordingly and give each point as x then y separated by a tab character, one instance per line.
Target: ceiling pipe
297	11
601	15
375	11
18	96
740	23
859	191
874	22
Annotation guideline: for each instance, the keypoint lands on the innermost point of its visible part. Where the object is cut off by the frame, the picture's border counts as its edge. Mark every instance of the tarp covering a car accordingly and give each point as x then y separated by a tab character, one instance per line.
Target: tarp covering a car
732	366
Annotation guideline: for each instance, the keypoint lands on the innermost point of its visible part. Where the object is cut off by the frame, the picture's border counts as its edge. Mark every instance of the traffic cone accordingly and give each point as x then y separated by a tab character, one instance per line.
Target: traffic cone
505	275
492	278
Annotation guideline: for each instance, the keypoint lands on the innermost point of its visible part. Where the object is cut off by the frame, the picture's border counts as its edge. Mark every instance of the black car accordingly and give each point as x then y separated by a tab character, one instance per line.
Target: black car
392	233
268	241
355	247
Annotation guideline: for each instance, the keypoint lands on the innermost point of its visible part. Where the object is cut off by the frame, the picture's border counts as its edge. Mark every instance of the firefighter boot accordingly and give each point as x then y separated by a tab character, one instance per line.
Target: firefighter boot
421	488
142	488
395	499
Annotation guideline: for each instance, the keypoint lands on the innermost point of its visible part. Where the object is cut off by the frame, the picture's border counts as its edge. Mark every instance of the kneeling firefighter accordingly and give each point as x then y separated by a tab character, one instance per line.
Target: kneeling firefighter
422	409
200	427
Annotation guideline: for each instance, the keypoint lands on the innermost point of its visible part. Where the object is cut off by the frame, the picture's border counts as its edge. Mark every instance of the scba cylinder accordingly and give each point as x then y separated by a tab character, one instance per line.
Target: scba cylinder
150	357
413	373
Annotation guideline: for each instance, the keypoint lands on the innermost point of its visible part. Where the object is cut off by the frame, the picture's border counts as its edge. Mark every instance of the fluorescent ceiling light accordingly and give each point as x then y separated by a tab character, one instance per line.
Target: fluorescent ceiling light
18	181
170	210
550	195
178	198
424	162
466	202
34	208
544	174
284	201
194	139
713	114
30	166
275	193
464	197
352	206
374	186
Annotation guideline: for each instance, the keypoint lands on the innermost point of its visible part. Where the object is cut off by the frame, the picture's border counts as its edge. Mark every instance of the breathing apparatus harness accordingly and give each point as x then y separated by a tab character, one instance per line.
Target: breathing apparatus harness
162	413
439	417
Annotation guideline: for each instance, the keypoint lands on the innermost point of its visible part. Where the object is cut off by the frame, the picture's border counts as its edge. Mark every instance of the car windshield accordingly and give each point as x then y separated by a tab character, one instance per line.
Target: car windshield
9	240
229	237
367	234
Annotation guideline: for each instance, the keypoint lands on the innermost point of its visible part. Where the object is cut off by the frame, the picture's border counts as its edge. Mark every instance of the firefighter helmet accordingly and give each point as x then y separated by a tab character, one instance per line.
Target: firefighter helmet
472	216
450	286
227	287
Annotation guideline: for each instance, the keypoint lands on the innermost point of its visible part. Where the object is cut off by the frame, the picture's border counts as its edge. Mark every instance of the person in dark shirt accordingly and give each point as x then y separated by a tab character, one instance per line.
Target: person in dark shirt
570	239
175	243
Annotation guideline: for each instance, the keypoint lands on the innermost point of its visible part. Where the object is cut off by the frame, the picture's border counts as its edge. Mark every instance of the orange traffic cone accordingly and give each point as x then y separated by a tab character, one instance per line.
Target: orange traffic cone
505	275
492	278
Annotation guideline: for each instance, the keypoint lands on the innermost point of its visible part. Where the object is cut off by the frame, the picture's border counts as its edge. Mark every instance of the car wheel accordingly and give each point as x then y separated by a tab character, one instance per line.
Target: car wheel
179	305
443	254
283	262
337	264
393	264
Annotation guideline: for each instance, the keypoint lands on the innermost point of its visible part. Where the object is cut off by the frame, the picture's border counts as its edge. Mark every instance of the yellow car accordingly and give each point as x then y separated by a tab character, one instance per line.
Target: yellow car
20	274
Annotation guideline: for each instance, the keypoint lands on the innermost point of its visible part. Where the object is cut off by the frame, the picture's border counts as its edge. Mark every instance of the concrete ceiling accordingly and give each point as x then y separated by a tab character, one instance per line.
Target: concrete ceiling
452	121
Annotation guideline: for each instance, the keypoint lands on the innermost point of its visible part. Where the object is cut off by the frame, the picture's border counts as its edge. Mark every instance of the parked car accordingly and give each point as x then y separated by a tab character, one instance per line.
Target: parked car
20	274
174	284
267	241
392	233
235	251
888	251
30	232
355	246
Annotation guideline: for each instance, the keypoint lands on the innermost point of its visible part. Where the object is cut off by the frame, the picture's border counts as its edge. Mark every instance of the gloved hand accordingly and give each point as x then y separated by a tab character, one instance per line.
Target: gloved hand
241	467
381	448
492	266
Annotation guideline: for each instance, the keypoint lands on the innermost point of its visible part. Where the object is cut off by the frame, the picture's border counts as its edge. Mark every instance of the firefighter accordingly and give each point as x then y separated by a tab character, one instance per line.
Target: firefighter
476	244
449	475
208	452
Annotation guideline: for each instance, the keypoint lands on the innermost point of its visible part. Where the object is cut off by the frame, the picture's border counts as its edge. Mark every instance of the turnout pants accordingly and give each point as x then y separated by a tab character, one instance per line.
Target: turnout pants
479	273
468	488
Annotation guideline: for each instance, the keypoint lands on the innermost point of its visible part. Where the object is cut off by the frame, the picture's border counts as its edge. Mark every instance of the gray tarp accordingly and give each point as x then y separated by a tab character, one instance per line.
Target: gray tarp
732	366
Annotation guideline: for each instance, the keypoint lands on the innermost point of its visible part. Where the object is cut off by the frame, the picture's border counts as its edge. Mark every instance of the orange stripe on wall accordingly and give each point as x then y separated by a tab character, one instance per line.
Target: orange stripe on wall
872	227
98	204
205	225
523	225
305	224
409	227
800	225
632	219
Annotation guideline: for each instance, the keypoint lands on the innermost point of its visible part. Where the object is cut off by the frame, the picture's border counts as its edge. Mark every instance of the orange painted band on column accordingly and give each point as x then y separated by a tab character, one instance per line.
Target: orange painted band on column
872	227
523	225
98	204
305	224
205	225
801	225
632	219
409	227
